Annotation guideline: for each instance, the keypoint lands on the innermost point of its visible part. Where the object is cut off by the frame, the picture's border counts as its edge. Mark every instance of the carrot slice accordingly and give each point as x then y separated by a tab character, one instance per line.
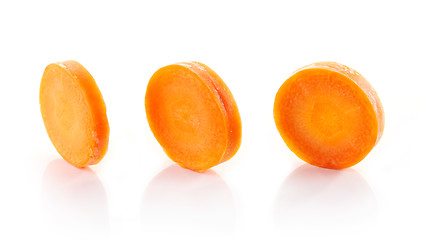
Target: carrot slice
329	115
74	113
193	115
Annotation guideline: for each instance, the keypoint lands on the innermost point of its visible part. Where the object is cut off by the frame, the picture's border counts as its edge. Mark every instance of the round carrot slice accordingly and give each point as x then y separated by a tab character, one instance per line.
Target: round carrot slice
74	113
193	115
329	115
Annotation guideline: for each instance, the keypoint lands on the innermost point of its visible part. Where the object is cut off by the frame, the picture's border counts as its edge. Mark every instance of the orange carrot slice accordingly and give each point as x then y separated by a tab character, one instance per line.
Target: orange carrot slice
74	113
329	115
193	115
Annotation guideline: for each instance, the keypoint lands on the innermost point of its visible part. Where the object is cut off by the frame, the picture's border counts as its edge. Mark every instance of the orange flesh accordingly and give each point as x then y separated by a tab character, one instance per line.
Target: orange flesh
74	113
193	115
329	115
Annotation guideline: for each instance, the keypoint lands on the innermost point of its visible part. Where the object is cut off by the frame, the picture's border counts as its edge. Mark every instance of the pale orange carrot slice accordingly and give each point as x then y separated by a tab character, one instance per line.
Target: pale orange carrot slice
329	115
193	115
74	113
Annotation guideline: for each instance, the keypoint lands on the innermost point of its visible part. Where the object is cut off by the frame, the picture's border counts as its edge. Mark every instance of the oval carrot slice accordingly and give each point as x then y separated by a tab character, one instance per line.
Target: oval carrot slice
74	113
329	115
193	115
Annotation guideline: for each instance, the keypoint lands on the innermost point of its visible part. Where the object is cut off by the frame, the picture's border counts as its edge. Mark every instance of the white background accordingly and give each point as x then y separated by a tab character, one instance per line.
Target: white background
265	191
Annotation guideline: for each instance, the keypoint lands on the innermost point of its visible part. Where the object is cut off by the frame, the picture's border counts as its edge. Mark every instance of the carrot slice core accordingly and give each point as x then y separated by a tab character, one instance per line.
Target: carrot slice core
329	115
74	113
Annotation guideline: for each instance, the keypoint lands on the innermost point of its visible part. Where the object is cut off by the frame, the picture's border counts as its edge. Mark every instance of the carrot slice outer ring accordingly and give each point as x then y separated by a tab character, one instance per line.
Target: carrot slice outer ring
193	115
329	115
74	113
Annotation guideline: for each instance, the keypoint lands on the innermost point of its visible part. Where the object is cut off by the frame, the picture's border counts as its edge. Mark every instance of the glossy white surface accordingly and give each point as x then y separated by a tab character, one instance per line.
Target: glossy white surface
265	191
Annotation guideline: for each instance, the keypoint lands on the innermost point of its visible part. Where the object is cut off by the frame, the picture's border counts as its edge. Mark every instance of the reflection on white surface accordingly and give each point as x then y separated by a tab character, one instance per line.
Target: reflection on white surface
324	199
185	201
74	201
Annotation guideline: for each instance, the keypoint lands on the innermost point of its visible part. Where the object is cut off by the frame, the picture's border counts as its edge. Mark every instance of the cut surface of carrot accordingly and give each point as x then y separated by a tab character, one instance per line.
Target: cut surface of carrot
329	115
193	115
74	113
